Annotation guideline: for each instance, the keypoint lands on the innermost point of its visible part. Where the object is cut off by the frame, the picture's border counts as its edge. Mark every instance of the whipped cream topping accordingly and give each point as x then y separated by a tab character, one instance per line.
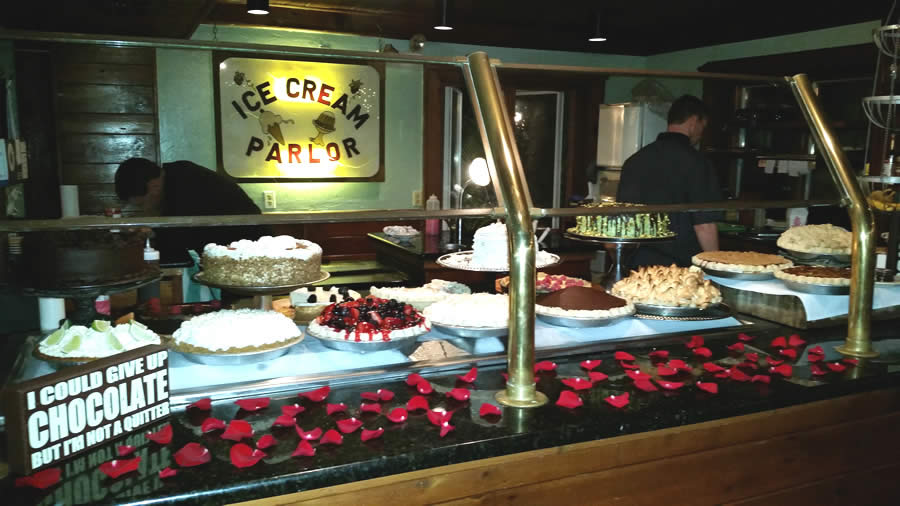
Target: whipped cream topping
471	310
238	328
489	245
282	246
300	296
83	342
400	230
435	290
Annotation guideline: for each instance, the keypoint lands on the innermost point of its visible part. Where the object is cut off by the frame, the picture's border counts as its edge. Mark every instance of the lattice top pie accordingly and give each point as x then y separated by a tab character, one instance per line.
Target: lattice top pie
826	239
668	286
740	261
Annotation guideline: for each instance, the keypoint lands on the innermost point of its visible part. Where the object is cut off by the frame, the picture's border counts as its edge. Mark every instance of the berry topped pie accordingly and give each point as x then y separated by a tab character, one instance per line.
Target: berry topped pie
369	319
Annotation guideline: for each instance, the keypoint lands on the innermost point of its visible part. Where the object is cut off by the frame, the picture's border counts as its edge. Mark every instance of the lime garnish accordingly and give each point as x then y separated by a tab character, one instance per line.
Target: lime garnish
73	344
100	325
57	334
113	342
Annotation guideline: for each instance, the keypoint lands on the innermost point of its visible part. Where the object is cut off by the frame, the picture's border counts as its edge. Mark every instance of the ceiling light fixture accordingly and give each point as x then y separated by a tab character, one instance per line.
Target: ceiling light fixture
599	34
258	6
443	22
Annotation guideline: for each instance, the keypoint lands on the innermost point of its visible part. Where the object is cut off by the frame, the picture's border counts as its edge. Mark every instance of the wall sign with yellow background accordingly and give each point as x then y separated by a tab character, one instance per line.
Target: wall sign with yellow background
299	120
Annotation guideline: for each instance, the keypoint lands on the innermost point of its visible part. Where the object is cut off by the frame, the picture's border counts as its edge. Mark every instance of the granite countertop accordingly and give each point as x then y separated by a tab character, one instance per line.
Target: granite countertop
416	444
431	247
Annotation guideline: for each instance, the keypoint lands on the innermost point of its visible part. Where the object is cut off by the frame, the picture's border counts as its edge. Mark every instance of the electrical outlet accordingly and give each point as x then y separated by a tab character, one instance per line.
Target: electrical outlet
269	200
417	198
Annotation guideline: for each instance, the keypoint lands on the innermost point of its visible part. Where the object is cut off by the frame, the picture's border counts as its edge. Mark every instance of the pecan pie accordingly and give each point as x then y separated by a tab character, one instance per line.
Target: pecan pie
671	286
816	275
740	261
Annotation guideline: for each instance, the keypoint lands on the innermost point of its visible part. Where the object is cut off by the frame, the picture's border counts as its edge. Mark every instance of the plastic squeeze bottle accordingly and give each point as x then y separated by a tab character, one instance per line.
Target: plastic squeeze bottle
150	292
432	225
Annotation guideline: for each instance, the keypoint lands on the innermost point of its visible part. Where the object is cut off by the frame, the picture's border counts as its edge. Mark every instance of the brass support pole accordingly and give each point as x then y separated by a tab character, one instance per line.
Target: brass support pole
503	159
862	268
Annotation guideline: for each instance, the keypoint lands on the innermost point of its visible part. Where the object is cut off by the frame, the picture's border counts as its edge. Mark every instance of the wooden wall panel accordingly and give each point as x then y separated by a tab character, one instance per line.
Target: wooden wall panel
107	98
106	73
77	53
98	148
88	173
107	123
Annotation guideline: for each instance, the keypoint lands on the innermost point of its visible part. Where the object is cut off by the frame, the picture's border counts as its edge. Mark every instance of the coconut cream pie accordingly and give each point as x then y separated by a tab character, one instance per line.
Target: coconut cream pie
668	286
826	239
583	302
816	275
740	261
235	331
486	310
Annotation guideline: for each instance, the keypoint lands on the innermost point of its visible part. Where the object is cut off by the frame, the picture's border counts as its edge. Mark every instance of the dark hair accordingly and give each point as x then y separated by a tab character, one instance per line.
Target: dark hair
132	177
686	106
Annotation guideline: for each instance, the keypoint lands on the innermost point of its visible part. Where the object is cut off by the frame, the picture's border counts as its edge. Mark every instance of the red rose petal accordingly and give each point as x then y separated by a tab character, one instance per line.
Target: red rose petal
773	361
384	395
544	366
645	385
292	410
590	365
369	396
439	416
745	337
424	387
815	358
413	379
626	365
618	401
670	385
597	376
783	369
679	364
752	357
623	355
736	347
370	407
722	375
237	430
460	394
125	450
711	367
568	399
505	376
789	353
663	370
702	351
266	441
816	350
470	376
284	421
371	434
712	388
116	468
836	366
398	415
488	409
211	424
317	395
416	403
167	473
577	383
335	408
41	479
163	436
817	370
192	454
638	375
204	404
796	341
760	378
244	456
311	435
254	404
332	437
304	449
446	428
851	361
779	342
349	425
748	365
659	355
738	375
695	342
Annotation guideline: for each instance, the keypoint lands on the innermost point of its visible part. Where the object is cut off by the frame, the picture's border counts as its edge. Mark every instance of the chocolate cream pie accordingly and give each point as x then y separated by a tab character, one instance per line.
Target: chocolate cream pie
582	302
816	275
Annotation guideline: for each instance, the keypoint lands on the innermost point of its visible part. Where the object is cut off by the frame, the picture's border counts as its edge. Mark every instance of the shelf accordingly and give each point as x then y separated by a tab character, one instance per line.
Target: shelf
793	125
879	179
760	155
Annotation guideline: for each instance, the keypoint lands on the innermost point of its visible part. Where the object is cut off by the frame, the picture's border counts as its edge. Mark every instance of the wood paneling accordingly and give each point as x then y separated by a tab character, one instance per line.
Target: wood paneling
106	98
106	73
88	173
90	123
78	53
98	148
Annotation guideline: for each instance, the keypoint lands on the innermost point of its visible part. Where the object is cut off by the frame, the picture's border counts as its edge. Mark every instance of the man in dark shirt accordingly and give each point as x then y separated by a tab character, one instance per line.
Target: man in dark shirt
185	189
671	171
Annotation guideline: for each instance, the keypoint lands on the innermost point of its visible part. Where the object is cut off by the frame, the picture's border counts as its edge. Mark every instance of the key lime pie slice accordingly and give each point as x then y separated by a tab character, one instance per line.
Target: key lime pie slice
77	343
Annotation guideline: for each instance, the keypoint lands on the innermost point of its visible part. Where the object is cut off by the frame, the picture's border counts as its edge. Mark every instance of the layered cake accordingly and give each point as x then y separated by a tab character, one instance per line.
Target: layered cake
369	320
422	296
309	303
471	310
740	261
77	343
583	302
671	286
626	225
235	331
491	251
816	275
85	257
825	239
544	283
269	261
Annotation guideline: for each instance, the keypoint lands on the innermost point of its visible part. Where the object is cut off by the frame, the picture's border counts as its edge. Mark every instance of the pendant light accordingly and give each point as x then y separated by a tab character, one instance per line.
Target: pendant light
443	21
599	34
258	6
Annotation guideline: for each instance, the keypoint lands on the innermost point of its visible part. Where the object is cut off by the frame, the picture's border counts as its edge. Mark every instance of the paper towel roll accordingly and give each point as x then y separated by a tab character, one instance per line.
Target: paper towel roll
51	311
68	194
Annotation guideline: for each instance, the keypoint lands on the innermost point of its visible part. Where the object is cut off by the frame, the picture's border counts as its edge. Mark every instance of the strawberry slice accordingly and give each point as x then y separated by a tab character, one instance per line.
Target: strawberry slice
408	310
392	323
376	318
364	327
349	321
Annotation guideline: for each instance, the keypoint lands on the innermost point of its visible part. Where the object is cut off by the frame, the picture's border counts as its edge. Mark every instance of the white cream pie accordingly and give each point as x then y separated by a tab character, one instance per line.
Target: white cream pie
77	343
825	239
740	261
471	310
235	331
671	286
422	296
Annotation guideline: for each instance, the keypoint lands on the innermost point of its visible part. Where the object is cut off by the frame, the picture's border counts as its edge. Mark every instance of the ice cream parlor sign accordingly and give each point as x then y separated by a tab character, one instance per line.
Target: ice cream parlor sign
298	119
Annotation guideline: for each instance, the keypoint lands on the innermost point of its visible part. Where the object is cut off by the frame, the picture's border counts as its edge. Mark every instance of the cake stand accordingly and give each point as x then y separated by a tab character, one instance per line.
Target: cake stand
84	295
617	270
262	295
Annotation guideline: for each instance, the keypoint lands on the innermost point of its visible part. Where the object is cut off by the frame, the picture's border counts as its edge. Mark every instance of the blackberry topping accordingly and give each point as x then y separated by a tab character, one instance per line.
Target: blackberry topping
333	298
312	299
